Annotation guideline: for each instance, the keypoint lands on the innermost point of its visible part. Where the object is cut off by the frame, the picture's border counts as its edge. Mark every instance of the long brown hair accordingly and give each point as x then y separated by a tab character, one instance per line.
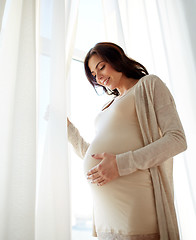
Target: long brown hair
115	56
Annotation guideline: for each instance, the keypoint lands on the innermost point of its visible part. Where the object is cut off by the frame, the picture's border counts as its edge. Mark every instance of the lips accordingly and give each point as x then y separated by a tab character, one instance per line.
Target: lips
106	81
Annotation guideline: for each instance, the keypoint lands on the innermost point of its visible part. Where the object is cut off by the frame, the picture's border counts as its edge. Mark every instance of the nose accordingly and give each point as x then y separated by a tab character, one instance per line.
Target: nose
99	77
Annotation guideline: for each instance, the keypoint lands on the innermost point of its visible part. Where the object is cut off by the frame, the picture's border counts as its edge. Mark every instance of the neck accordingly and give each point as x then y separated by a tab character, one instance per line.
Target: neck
126	84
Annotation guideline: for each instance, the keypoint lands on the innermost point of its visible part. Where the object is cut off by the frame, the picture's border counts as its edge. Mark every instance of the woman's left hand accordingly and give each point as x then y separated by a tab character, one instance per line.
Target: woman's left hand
105	171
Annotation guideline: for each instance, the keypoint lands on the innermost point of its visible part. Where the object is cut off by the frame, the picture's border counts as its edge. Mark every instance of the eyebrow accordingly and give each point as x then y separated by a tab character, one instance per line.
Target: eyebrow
97	65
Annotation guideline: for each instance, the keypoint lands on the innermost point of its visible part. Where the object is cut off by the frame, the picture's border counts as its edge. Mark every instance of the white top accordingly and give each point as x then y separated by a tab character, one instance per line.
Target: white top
125	205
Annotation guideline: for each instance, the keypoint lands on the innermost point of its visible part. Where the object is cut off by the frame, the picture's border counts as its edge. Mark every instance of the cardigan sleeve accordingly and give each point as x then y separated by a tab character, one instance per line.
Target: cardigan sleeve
79	144
172	140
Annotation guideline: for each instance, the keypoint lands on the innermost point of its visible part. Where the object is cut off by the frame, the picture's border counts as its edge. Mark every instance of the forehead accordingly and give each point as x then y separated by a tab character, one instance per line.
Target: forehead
93	61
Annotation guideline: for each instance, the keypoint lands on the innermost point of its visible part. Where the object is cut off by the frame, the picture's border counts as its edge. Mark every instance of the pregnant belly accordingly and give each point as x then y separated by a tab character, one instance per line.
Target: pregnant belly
112	201
109	144
102	143
89	161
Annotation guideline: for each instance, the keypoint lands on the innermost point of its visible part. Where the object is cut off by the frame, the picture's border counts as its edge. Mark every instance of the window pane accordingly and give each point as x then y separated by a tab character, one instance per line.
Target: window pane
90	24
46	18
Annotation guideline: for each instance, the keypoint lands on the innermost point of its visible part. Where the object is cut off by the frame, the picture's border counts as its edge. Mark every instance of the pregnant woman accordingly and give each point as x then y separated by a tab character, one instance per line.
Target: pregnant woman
129	162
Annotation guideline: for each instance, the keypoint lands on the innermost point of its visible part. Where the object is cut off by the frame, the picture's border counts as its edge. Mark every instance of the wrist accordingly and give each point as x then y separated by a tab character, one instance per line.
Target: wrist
125	164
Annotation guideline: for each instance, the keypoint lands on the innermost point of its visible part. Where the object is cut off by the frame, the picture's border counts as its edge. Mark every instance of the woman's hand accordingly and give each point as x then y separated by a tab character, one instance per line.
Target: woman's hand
105	171
68	122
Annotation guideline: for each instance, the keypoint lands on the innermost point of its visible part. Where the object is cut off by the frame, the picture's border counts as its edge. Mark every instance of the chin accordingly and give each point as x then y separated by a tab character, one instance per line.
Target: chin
113	88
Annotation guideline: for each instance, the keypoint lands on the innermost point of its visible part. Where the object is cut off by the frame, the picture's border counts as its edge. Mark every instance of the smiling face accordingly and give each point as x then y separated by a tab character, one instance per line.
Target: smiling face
104	73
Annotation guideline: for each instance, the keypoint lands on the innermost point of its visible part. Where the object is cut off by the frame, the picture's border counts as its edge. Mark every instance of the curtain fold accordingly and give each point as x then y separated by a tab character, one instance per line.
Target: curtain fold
2	8
113	19
34	204
18	122
53	194
158	34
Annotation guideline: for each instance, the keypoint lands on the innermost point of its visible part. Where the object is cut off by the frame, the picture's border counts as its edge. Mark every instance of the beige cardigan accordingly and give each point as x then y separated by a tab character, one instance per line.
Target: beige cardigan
163	137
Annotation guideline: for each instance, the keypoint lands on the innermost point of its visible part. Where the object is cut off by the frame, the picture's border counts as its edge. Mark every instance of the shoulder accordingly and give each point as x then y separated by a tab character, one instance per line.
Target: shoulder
151	83
151	87
150	80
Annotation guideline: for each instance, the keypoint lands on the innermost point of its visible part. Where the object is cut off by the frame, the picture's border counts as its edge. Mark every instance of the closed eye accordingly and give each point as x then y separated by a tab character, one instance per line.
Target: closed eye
94	76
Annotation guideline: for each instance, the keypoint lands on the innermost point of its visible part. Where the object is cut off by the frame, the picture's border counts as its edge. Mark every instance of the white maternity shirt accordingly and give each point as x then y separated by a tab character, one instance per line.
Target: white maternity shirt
125	205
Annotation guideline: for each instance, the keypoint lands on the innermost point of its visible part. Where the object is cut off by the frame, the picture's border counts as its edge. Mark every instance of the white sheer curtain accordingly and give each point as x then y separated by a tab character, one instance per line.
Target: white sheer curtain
35	202
53	196
2	7
18	122
158	34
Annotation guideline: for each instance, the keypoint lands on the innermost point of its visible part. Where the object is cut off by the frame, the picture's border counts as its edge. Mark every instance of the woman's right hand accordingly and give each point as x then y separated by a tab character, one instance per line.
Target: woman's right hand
68	122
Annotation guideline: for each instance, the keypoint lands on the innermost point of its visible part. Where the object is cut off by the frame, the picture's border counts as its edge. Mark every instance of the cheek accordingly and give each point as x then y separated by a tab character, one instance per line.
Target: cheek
110	70
117	76
113	73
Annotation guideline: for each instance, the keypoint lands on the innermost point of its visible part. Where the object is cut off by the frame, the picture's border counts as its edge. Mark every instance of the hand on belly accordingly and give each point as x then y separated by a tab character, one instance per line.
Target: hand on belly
106	169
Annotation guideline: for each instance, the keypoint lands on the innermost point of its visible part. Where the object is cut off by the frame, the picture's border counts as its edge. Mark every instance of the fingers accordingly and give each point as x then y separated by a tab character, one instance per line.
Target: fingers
92	171
105	171
95	169
93	176
98	155
68	121
99	180
102	183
